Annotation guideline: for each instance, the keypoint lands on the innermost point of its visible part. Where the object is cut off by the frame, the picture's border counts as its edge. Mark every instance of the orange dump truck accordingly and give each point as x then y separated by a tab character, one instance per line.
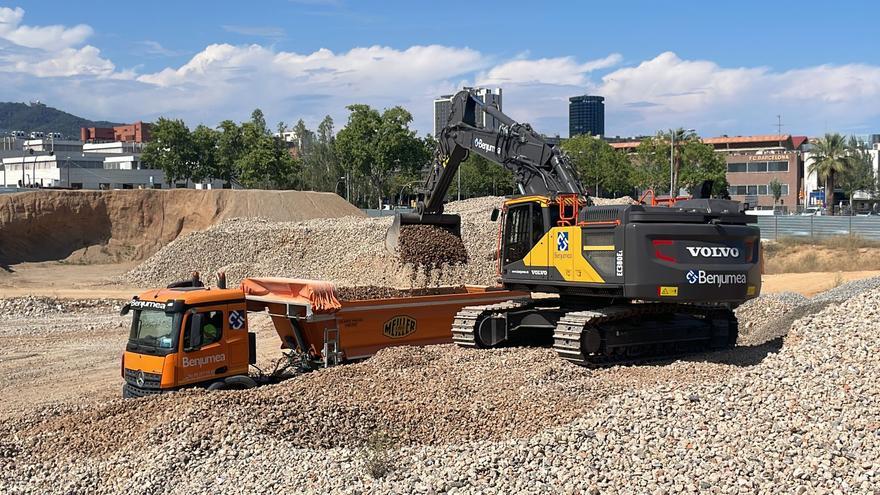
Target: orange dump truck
191	335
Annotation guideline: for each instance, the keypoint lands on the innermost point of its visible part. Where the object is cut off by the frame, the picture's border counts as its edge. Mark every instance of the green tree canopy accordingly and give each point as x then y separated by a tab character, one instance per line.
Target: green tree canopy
172	150
264	162
378	146
205	146
830	160
695	162
600	165
859	175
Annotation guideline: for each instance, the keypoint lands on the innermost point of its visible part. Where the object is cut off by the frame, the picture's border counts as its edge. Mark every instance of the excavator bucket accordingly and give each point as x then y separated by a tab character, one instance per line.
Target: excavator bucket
392	237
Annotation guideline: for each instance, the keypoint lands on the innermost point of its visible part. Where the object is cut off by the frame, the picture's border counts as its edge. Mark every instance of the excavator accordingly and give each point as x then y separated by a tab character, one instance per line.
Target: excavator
609	285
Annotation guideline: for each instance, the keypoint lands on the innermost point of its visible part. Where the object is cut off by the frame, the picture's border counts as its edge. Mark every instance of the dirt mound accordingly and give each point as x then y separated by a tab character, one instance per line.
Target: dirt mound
112	226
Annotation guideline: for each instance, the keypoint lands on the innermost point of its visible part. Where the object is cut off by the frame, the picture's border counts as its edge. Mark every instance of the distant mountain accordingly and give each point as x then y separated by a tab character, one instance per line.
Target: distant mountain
38	117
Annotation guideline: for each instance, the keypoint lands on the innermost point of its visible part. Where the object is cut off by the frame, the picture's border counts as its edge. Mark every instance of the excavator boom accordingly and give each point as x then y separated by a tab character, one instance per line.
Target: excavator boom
538	167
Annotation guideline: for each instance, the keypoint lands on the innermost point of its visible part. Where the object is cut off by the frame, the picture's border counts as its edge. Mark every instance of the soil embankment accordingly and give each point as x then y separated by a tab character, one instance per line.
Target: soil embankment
116	226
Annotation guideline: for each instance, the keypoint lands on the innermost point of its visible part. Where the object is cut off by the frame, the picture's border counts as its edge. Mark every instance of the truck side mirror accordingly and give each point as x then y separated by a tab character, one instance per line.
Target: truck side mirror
195	331
125	309
494	216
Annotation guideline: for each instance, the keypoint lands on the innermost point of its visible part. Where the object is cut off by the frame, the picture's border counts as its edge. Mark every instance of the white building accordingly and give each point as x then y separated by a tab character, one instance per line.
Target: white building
113	147
89	171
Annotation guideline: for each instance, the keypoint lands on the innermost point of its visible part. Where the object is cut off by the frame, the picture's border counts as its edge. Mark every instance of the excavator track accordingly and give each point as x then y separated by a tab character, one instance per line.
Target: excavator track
464	325
594	338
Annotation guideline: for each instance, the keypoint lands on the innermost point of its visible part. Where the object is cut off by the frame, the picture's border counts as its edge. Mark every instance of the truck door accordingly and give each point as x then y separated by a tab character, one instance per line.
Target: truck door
203	346
237	341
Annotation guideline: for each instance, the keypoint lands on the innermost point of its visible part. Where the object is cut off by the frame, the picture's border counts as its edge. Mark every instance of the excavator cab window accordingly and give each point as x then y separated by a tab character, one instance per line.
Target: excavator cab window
523	229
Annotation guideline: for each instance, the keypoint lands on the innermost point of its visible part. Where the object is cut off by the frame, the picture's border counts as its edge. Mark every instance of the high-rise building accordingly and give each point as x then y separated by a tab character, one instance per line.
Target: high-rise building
443	106
586	114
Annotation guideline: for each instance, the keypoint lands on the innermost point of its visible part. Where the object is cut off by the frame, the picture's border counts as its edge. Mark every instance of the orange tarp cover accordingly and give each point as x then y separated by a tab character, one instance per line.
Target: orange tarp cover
319	294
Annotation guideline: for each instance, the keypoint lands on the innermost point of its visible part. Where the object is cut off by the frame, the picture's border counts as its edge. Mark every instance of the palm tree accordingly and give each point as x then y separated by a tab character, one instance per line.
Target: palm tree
831	158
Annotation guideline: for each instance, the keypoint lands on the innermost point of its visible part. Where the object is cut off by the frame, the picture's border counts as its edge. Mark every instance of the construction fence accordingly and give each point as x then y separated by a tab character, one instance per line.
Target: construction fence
810	226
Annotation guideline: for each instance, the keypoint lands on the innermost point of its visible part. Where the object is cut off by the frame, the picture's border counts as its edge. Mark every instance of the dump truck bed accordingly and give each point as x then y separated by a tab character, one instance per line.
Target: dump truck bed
338	330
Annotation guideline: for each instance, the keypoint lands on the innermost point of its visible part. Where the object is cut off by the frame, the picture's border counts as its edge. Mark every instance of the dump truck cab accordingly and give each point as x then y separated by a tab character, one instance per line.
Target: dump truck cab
185	336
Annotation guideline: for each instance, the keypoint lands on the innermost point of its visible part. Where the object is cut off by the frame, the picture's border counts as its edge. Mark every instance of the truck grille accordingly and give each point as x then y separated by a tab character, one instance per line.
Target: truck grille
150	380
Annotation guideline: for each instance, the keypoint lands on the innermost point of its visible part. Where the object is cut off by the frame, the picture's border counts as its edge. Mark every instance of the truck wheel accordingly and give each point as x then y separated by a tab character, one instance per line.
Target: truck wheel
240	382
219	385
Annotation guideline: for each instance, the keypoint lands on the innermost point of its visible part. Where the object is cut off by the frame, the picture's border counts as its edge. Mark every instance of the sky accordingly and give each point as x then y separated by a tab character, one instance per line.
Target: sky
720	68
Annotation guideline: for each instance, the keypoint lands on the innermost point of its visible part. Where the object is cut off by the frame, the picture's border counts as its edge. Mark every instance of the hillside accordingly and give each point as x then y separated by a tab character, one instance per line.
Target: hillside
39	117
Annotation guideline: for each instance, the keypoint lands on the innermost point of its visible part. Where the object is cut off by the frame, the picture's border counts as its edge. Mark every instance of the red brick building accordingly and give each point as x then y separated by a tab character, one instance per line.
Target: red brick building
139	132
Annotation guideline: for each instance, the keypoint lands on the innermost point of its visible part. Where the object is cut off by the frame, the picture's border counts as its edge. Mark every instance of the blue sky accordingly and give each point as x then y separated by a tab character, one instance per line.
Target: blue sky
720	69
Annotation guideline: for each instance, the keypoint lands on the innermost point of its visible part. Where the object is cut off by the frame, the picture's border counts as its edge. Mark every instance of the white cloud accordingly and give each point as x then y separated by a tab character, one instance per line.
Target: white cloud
667	91
48	51
564	71
45	37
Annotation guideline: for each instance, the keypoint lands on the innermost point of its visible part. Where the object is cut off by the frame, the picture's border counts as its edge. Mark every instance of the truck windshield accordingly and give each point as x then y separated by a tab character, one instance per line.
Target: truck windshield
155	329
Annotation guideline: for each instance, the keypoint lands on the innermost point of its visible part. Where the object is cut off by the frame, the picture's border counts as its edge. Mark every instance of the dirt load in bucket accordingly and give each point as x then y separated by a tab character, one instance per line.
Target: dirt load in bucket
430	246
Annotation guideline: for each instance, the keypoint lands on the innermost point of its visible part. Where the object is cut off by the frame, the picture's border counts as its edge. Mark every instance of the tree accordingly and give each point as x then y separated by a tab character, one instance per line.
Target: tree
860	174
230	147
776	190
172	150
600	165
205	146
482	177
695	162
377	147
831	159
264	162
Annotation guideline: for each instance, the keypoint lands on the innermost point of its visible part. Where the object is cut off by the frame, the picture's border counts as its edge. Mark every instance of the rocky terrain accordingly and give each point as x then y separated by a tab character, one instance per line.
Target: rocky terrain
792	408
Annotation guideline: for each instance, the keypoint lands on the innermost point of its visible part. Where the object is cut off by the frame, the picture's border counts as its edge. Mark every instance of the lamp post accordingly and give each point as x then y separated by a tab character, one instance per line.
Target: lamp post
672	192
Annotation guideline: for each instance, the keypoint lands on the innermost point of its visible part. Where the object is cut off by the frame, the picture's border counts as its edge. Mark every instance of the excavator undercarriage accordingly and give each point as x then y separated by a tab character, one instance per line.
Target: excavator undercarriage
628	333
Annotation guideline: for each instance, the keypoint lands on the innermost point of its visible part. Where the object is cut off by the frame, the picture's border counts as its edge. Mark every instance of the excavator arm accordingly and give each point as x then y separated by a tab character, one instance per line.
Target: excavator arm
538	167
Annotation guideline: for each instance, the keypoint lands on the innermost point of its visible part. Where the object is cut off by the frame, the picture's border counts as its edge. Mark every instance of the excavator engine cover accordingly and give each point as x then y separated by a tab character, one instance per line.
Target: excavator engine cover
392	237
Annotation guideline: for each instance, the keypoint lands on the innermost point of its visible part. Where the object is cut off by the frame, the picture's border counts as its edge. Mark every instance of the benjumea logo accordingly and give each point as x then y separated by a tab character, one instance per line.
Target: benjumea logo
717	279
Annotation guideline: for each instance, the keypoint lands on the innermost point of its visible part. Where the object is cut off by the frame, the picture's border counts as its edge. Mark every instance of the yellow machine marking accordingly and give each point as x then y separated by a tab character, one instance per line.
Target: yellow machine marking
668	291
750	291
570	263
598	248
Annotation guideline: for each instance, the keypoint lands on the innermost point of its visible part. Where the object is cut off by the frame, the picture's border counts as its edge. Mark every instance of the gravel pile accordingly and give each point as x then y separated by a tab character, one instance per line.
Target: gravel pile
33	306
848	290
348	251
764	318
623	200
